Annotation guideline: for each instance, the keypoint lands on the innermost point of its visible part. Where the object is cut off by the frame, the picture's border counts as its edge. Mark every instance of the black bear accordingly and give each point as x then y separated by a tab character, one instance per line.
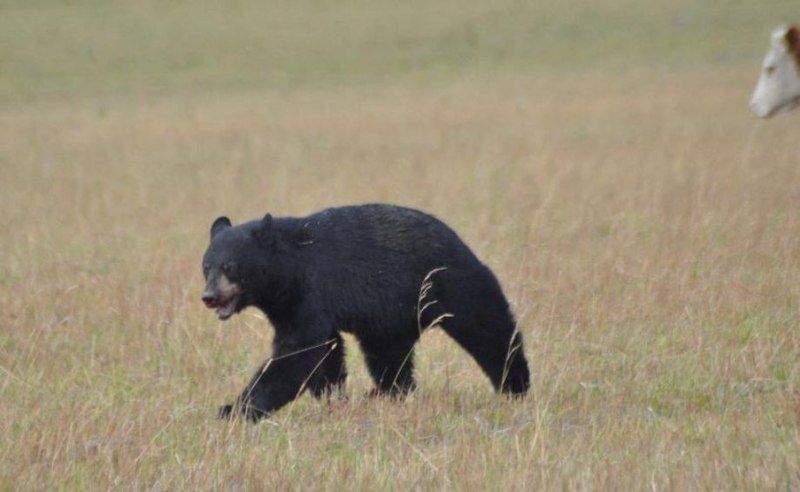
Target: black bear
381	272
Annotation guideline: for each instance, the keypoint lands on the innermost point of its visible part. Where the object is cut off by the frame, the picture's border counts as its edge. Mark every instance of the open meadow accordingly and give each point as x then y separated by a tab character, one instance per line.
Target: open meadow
599	157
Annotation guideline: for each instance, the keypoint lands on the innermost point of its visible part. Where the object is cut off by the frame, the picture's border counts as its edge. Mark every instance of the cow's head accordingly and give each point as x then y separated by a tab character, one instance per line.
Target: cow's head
778	88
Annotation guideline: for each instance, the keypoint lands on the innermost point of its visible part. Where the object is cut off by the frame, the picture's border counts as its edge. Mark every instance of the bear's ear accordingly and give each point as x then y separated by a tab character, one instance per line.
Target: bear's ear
263	230
219	224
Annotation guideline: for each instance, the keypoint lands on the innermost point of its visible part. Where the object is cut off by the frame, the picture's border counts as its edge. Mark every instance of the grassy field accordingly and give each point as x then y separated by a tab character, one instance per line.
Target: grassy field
599	157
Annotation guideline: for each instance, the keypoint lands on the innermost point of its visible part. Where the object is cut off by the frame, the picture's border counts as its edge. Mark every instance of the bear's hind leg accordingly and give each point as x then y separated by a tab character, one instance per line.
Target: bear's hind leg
484	326
497	351
391	365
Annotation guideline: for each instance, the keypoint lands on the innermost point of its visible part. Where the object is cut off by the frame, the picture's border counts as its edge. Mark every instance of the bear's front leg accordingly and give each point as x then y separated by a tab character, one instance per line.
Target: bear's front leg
293	367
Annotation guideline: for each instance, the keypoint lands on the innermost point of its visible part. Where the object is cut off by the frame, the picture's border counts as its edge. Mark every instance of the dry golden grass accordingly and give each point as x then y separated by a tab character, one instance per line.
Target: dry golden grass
644	226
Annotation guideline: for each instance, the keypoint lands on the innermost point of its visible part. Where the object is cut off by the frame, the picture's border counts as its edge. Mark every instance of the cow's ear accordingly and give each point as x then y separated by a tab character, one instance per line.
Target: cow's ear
219	224
793	39
263	230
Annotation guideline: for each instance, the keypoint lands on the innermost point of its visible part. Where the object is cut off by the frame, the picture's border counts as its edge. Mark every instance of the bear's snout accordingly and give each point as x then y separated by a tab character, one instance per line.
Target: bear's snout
209	299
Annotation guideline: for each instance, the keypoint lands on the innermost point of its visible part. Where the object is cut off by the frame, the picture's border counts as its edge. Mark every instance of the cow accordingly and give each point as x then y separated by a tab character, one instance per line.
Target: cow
778	88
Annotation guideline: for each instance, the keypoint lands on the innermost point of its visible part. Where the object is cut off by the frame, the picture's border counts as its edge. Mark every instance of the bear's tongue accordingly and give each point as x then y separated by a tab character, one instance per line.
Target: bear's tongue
226	310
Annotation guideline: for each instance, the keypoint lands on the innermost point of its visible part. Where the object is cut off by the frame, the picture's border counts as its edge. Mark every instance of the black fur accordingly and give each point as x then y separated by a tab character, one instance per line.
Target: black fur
360	270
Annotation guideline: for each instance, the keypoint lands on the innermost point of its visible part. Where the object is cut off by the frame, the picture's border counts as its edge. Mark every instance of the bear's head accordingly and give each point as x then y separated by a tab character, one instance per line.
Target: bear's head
236	265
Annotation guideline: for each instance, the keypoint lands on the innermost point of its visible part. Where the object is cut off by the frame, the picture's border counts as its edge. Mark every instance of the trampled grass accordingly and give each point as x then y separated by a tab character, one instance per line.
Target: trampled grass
642	223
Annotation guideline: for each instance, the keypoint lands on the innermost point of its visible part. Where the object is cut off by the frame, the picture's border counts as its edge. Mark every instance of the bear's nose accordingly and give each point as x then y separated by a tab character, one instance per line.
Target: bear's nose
209	299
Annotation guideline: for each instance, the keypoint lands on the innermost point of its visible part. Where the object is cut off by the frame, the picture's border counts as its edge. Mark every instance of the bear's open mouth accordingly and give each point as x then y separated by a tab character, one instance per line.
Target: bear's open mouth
227	308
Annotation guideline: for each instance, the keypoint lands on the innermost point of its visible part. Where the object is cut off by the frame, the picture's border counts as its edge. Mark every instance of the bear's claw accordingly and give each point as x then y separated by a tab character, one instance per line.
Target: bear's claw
248	412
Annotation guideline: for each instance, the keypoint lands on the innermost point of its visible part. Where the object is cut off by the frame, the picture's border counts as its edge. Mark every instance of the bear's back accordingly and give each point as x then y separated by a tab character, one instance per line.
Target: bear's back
387	231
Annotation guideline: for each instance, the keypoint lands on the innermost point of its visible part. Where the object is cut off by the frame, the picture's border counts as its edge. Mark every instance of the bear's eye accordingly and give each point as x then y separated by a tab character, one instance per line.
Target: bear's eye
206	268
229	268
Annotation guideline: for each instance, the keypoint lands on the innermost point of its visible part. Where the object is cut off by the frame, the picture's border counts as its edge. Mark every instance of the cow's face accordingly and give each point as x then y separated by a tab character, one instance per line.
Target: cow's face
778	88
